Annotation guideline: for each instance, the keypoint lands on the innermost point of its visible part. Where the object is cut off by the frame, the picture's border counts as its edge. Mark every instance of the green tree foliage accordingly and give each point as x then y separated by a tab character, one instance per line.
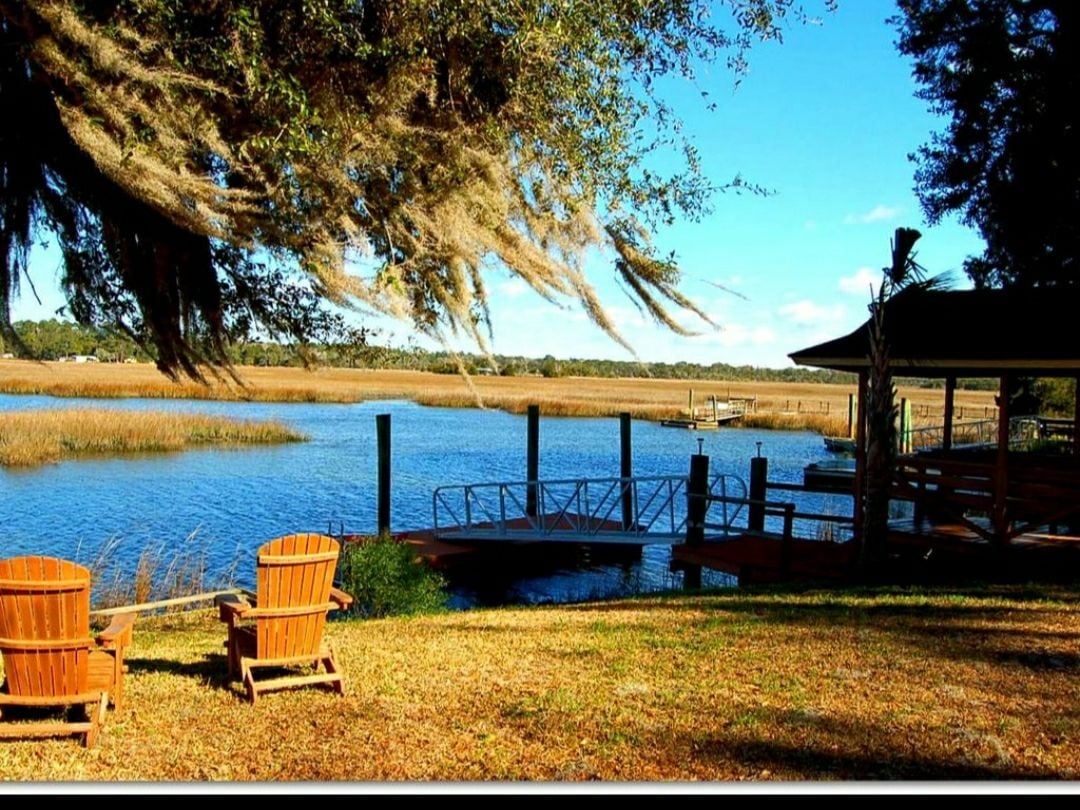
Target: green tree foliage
200	162
1006	74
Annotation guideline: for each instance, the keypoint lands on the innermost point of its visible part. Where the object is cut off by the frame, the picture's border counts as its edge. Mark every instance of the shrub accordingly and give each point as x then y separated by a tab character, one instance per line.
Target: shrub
385	578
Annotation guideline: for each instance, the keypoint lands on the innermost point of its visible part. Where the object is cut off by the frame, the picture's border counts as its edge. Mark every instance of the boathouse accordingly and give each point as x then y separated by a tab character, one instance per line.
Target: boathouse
1016	490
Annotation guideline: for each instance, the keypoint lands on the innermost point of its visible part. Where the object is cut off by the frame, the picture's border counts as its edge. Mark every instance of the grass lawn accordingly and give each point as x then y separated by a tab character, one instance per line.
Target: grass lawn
877	684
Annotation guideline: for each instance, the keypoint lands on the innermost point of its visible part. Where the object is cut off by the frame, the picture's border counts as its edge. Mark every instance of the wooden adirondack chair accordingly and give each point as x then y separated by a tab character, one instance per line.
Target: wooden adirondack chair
50	659
284	627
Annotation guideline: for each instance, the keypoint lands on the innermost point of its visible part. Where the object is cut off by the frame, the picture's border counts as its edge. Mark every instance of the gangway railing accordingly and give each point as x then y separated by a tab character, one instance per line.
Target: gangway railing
1023	431
632	509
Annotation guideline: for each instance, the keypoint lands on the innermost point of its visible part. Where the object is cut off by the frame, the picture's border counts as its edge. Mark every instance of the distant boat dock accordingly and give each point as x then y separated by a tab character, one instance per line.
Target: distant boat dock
715	413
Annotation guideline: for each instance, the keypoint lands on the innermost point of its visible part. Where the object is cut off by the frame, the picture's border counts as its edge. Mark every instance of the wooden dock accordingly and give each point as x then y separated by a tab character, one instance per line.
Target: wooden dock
441	553
700	424
952	549
757	557
712	416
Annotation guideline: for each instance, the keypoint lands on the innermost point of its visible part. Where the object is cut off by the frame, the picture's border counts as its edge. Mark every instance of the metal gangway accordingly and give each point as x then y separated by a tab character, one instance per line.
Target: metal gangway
634	511
1023	432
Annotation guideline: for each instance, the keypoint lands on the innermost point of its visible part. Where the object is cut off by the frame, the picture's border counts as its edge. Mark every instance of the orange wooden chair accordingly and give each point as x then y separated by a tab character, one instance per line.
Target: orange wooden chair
50	659
284	627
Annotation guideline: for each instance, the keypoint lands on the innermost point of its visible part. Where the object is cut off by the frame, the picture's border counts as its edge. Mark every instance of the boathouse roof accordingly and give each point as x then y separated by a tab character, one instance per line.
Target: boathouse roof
966	333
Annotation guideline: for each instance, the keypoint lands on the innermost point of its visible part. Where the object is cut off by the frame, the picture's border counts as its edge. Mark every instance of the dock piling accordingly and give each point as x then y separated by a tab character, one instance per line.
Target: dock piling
626	471
697	489
532	459
759	474
382	437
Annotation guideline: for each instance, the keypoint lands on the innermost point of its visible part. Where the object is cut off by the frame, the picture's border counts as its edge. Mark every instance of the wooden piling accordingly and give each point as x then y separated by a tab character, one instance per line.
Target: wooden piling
759	474
905	426
851	416
532	459
626	471
382	437
697	488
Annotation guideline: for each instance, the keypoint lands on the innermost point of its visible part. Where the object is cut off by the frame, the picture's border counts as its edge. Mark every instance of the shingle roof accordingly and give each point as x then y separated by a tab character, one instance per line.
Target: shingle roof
967	333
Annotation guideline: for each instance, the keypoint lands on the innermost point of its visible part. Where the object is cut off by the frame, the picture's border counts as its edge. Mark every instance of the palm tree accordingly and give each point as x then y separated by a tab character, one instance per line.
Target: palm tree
903	275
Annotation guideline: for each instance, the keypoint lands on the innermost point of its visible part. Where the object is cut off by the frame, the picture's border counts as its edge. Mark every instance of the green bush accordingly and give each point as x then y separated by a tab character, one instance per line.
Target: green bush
385	578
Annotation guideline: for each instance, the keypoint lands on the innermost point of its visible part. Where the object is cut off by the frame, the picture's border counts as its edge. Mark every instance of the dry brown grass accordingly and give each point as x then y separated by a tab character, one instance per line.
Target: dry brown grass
800	404
767	685
30	438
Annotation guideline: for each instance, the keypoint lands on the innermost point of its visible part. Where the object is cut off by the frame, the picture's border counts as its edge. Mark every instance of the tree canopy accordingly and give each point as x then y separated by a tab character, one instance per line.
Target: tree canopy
1005	73
211	165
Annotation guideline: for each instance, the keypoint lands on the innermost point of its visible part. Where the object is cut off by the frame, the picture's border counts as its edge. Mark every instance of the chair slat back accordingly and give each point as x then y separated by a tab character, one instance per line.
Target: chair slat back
294	572
44	626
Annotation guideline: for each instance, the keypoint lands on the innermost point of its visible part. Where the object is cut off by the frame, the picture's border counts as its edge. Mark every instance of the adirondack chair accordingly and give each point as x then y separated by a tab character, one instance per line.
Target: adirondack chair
284	626
50	659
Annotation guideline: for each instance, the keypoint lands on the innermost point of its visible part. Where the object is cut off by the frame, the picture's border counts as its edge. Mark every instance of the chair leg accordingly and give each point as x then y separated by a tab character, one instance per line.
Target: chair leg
230	645
97	720
118	681
249	680
330	663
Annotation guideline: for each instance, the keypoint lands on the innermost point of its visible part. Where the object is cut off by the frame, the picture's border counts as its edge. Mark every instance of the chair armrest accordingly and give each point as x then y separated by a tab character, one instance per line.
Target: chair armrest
119	633
232	606
343	599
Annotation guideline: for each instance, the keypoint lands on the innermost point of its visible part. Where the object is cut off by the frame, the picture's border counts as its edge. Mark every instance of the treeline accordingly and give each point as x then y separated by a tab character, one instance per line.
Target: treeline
53	340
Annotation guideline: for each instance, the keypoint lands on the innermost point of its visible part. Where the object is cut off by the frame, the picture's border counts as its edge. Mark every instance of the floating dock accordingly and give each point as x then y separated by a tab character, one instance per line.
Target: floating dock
712	416
757	557
702	424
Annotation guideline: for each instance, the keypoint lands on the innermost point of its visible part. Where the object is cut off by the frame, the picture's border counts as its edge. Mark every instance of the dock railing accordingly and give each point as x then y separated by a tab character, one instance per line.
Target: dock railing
1023	431
591	509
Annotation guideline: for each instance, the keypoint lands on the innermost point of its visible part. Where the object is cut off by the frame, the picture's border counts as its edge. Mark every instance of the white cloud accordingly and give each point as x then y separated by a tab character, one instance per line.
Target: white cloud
879	213
862	282
807	313
513	288
737	334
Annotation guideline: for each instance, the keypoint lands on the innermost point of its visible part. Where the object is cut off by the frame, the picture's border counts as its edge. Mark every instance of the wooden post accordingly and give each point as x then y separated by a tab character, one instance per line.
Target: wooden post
692	578
690	403
626	472
851	416
1076	418
759	474
860	456
1001	468
382	438
715	414
905	417
786	538
697	488
532	459
950	393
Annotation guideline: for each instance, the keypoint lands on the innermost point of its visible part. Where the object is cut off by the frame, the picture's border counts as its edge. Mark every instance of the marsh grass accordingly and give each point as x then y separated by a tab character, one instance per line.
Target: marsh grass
30	438
161	571
817	423
813	406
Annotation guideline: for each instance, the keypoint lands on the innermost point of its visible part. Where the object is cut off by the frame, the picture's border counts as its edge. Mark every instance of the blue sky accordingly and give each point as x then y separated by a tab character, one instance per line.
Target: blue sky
826	120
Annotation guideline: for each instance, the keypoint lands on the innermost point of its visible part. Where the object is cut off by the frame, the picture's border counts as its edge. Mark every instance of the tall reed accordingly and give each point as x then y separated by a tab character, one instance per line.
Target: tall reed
161	571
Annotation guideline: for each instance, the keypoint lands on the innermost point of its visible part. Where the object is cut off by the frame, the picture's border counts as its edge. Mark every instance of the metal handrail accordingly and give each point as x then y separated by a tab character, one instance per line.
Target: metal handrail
579	505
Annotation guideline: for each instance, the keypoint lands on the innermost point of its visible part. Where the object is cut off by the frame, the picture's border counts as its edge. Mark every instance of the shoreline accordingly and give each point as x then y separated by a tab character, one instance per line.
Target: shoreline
817	407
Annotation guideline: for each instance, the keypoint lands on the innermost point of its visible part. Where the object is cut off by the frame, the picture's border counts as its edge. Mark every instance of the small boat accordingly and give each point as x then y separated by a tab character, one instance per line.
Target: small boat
839	444
835	474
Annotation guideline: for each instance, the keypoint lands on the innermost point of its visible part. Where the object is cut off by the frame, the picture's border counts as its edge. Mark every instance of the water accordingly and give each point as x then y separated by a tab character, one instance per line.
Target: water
230	501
